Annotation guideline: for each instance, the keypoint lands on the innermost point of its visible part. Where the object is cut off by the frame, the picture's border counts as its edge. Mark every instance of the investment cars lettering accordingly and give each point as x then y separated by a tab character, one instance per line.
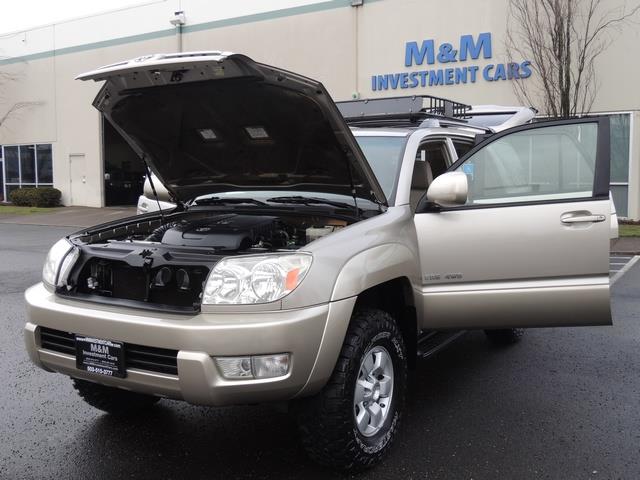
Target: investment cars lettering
446	53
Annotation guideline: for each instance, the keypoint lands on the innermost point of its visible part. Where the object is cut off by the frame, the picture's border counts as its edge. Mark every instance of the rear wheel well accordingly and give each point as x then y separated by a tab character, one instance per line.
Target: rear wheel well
395	297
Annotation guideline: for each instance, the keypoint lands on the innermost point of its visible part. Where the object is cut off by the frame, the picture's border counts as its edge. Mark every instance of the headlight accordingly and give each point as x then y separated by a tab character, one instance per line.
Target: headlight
255	278
58	264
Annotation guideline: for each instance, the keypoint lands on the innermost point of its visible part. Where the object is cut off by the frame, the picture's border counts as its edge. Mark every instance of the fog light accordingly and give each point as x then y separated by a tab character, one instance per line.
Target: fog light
269	366
235	367
263	366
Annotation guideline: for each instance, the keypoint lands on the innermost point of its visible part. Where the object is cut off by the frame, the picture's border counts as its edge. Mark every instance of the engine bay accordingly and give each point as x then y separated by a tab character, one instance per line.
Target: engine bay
163	263
236	232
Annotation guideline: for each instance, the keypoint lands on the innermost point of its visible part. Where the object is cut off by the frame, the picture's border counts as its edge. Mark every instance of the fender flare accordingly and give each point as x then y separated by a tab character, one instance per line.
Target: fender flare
365	270
373	267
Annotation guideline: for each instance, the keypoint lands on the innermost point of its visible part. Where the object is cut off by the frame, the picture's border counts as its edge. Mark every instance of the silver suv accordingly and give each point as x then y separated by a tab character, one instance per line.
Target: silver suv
310	262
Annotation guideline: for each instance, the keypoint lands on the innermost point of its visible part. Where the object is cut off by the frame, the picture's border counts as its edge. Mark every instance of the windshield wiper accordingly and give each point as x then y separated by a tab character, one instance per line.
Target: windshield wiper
310	201
228	201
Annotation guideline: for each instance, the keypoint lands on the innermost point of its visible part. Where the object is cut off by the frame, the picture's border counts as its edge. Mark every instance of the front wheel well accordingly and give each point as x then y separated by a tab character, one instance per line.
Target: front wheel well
395	297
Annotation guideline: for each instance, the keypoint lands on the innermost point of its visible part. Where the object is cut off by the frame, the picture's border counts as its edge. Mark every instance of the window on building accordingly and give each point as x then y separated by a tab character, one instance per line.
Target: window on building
620	141
12	165
25	166
620	137
45	164
28	164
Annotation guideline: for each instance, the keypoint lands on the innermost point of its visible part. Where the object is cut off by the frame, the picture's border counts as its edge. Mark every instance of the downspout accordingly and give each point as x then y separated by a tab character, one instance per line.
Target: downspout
356	4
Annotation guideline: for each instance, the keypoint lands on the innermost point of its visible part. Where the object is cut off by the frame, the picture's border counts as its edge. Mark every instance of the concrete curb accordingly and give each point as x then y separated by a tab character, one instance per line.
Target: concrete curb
625	246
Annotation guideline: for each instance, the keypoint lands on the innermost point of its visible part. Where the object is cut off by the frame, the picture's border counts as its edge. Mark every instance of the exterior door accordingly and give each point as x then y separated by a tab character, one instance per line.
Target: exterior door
530	246
77	179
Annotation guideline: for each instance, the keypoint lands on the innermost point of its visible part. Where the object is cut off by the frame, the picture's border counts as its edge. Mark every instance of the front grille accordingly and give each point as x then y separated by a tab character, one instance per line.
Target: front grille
162	360
114	280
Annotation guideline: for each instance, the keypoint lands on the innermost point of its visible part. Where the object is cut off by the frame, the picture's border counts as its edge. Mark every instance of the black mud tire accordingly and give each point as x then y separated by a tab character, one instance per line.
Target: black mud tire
505	336
326	421
113	400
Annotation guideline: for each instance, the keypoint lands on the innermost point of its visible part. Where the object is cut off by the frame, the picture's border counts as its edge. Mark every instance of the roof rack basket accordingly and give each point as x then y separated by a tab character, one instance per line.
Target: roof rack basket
401	111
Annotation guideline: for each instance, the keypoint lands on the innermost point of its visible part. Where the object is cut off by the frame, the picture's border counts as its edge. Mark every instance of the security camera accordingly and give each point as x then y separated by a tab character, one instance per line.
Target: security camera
178	19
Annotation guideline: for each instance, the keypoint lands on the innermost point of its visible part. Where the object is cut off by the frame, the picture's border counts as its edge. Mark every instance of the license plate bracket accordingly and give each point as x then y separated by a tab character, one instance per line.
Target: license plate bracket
101	357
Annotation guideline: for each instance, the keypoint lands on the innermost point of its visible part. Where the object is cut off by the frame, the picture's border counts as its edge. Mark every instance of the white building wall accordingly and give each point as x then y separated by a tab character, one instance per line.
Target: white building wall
325	39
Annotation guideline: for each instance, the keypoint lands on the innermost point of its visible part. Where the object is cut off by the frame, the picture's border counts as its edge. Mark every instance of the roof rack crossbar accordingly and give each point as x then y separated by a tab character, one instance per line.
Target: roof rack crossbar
414	109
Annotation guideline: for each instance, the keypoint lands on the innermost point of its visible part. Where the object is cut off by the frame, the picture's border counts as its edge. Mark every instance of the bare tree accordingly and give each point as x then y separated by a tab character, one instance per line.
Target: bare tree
14	109
9	109
563	39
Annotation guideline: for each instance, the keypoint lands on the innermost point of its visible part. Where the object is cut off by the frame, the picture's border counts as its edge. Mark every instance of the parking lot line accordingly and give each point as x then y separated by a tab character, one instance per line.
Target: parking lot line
624	269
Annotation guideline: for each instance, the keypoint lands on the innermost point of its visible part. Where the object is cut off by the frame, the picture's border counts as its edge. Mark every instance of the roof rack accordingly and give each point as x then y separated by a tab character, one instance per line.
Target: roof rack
401	111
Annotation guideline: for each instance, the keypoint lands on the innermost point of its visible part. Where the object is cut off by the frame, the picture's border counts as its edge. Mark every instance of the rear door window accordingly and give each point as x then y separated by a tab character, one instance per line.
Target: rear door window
461	146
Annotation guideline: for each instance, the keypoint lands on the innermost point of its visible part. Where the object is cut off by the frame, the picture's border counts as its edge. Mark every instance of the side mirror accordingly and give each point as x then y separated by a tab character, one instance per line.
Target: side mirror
449	189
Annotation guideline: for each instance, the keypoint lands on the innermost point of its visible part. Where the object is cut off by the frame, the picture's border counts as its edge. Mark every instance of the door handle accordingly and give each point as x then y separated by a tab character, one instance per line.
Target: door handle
581	217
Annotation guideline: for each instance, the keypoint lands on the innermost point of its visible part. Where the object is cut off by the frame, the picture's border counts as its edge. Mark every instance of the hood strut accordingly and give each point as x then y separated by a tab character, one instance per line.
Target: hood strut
354	192
153	188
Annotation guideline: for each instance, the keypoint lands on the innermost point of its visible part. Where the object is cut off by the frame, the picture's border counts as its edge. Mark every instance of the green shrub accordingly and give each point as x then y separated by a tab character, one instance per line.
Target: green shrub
36	197
21	197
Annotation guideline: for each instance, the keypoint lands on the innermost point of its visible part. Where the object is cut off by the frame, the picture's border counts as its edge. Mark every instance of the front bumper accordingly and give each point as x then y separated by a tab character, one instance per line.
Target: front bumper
197	338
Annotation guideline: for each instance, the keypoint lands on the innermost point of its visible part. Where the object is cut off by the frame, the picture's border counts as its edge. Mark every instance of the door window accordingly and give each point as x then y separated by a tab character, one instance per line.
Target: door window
461	147
431	161
546	163
434	153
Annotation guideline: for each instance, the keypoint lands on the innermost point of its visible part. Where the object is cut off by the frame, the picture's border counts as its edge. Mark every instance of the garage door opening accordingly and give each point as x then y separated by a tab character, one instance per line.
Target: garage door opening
123	169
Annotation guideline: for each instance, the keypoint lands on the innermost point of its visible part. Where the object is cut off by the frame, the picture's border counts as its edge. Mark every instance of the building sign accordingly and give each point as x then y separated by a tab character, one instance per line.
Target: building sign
452	64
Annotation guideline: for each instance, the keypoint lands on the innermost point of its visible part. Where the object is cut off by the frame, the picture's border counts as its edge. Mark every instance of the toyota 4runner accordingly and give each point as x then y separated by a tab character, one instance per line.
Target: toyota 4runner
314	251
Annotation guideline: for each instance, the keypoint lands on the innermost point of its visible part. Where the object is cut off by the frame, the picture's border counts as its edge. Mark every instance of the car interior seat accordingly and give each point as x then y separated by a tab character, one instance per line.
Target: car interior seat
420	180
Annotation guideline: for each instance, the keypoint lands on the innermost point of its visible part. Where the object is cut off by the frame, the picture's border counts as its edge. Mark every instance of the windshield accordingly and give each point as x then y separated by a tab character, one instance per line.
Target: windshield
384	154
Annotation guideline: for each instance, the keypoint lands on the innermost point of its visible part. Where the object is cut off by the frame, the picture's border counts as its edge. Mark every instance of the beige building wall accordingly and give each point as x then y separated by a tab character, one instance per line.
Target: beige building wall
78	162
329	40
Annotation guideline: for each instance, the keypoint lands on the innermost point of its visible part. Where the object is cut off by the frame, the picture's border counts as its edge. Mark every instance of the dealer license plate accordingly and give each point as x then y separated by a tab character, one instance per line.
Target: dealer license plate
102	357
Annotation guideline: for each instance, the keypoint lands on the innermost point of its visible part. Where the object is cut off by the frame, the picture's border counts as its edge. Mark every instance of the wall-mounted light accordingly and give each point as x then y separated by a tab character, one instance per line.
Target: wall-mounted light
178	19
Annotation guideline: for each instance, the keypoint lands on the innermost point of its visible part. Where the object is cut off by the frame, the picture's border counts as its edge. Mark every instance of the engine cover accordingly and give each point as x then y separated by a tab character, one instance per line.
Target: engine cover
225	232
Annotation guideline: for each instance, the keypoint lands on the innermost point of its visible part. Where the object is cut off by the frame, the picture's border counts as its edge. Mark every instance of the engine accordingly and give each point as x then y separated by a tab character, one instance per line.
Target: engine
230	232
165	264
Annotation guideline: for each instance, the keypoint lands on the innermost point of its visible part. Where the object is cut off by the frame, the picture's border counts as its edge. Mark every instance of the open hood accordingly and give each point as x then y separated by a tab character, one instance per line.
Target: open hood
210	122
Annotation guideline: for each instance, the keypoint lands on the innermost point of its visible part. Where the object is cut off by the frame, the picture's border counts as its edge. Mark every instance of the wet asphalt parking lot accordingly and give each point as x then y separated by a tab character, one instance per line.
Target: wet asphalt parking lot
562	404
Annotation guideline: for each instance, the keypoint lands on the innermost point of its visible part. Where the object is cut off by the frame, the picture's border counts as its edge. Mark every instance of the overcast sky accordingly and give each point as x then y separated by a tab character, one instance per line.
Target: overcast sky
25	14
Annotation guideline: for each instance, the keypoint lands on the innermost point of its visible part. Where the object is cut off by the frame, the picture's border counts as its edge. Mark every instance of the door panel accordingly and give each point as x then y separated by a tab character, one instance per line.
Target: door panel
530	247
507	266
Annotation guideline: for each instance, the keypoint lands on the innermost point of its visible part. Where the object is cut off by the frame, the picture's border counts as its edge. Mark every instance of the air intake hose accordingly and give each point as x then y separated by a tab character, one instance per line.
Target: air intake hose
158	233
